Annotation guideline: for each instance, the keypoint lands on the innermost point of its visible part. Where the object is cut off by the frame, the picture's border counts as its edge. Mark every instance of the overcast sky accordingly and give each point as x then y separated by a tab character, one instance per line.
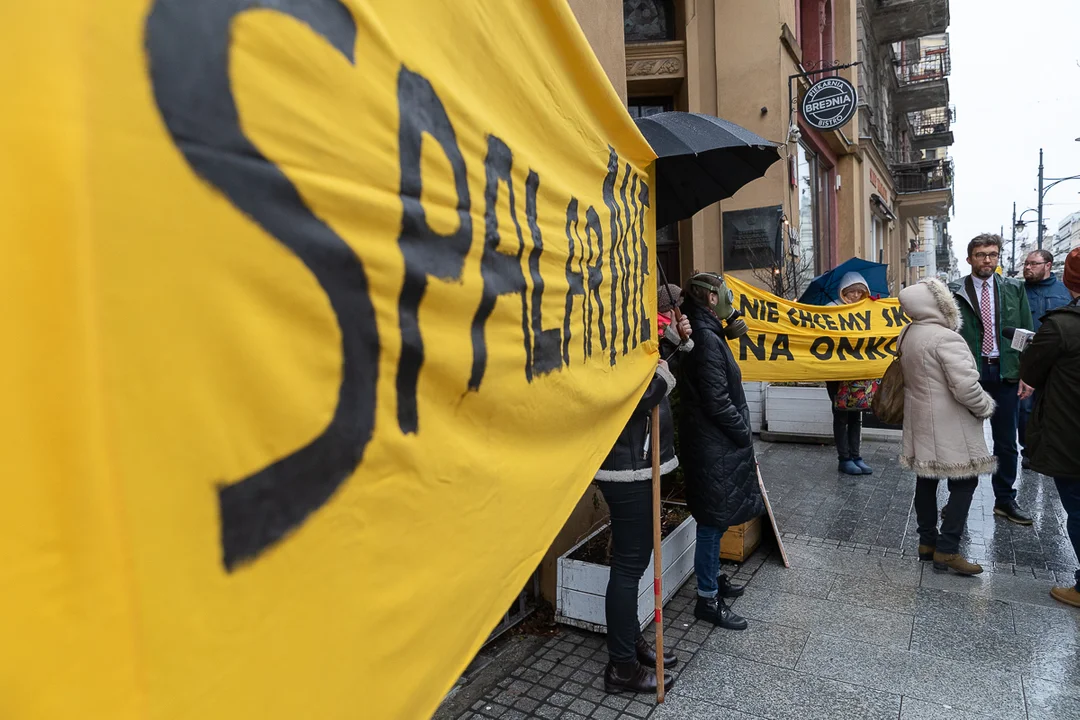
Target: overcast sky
1016	87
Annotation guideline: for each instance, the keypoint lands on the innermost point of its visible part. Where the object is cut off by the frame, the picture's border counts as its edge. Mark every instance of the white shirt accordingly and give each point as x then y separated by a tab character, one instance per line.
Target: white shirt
979	282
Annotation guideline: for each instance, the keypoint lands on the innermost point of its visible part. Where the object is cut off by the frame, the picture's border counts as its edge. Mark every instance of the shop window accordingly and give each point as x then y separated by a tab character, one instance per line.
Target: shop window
646	106
806	263
648	20
877	239
815	217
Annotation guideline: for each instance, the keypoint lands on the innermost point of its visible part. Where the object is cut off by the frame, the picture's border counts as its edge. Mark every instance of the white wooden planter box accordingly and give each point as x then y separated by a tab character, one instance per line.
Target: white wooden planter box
755	400
807	411
798	410
582	586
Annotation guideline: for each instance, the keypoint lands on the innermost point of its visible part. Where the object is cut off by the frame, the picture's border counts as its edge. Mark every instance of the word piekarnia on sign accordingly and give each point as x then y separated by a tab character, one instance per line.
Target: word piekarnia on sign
830	103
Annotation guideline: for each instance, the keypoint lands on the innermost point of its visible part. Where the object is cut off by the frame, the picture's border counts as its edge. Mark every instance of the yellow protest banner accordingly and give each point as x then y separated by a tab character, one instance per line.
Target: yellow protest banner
790	342
319	317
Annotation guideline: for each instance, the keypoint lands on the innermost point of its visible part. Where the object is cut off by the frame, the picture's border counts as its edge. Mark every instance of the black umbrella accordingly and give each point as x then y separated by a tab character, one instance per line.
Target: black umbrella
701	160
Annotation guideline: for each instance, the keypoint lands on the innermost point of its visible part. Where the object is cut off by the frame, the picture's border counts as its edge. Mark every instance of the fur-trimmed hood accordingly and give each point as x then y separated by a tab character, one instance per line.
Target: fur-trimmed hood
930	301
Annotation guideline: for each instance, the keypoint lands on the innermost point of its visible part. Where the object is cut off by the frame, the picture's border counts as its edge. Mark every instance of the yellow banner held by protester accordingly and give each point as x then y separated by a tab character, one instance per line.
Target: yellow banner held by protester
791	342
320	316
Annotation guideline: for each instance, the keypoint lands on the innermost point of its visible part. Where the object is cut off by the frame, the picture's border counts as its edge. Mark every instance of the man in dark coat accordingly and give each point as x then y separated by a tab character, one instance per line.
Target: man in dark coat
716	442
1051	365
989	303
1045	293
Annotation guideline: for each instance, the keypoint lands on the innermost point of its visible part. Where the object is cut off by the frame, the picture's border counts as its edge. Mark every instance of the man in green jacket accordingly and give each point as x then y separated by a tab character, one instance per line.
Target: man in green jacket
990	303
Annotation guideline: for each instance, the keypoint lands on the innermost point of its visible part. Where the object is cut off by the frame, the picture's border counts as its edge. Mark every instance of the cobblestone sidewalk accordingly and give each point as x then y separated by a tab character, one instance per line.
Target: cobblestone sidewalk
857	627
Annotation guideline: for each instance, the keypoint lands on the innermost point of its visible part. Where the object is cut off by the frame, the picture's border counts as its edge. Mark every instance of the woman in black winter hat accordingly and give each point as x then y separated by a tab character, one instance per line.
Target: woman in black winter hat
625	481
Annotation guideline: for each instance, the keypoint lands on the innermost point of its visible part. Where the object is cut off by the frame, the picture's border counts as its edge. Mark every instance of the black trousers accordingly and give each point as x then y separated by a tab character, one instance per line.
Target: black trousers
947	539
631	547
846	427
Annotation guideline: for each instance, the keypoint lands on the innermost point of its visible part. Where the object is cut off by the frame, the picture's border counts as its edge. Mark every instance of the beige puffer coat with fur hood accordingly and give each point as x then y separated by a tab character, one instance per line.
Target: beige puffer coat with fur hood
944	405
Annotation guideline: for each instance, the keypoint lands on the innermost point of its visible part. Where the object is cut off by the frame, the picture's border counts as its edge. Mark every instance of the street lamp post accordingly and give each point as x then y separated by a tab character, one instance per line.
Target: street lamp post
1046	189
1018	224
1041	193
1012	263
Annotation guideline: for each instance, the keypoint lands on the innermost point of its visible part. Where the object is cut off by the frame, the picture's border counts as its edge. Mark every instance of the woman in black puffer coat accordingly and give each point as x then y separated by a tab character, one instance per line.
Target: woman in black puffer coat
716	443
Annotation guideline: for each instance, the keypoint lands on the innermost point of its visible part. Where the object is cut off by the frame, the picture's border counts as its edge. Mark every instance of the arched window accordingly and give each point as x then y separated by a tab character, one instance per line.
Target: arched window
649	20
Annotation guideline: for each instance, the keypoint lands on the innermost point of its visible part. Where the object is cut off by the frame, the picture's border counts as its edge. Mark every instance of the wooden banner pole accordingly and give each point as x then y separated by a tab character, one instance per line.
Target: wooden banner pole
658	565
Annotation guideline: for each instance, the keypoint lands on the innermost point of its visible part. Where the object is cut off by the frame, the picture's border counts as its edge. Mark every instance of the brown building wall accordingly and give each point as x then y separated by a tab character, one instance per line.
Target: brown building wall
701	235
602	22
753	66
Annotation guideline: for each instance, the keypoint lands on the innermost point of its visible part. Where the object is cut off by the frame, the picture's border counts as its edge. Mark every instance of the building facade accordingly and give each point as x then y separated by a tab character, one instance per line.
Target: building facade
905	131
878	187
1064	240
739	60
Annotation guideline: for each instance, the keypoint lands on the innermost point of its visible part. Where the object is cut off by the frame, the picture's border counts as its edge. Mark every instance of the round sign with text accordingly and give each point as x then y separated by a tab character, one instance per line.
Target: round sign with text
829	103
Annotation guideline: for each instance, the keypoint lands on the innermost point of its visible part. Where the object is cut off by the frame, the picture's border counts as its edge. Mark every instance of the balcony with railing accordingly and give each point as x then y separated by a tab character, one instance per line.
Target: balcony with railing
923	175
897	20
931	64
922	80
932	128
923	187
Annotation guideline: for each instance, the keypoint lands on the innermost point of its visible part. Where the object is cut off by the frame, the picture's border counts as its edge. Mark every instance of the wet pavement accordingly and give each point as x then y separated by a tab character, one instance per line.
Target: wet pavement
857	627
811	500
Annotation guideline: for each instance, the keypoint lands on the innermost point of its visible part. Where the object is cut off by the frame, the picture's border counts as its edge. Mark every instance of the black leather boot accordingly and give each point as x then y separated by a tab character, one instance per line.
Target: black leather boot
716	611
632	677
646	654
727	590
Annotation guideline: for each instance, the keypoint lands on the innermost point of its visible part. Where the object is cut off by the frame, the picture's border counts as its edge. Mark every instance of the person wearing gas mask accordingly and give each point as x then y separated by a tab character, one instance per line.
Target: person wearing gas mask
716	442
624	480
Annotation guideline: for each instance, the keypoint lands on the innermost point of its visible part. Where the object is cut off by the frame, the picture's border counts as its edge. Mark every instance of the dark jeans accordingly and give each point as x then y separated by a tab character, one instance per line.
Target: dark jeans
846	428
1069	490
1025	407
1003	425
707	559
946	540
631	547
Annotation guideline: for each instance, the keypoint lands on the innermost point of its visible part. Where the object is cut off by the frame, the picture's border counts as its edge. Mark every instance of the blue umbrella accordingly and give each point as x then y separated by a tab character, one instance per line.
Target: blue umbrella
825	288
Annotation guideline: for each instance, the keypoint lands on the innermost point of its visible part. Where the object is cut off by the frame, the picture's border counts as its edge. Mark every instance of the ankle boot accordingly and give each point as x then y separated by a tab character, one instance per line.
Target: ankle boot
716	611
866	469
849	468
955	562
926	552
727	589
632	677
646	654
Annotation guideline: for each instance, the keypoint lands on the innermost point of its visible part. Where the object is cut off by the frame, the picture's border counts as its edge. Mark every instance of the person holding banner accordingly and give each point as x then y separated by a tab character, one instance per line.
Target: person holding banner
716	442
624	480
847	421
944	410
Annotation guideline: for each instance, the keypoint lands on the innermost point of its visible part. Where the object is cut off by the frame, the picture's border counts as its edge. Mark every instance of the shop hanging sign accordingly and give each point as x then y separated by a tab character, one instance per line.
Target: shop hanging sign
307	294
791	342
829	103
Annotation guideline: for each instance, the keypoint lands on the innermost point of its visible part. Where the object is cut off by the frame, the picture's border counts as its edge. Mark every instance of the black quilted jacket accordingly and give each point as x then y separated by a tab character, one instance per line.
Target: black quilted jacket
1051	365
716	443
